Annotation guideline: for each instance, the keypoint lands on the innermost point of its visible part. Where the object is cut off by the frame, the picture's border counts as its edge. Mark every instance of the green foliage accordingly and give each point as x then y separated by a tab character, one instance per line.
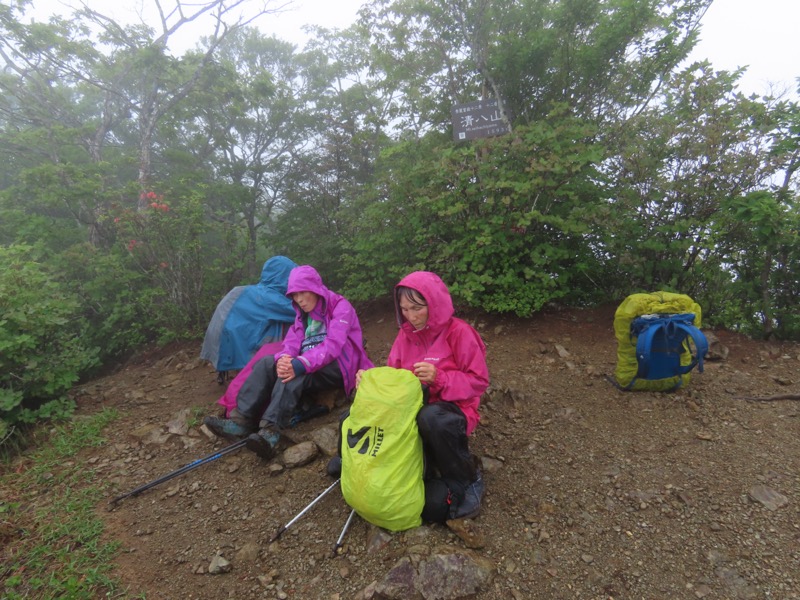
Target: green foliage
113	299
601	57
47	206
672	167
379	246
620	174
502	221
163	245
59	552
42	352
760	235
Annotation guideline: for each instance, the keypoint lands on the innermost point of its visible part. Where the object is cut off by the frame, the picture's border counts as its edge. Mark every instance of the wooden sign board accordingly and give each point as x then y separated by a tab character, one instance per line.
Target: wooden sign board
477	120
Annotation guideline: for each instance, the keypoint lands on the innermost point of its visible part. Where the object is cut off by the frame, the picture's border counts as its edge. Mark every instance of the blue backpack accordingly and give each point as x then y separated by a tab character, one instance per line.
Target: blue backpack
662	344
654	333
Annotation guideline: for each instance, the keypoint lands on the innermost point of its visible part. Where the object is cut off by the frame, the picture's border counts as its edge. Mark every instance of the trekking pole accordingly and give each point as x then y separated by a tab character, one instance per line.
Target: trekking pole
344	531
184	469
302	512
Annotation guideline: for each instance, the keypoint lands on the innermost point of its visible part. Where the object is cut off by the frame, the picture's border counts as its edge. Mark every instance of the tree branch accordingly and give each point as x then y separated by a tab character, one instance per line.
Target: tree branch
768	398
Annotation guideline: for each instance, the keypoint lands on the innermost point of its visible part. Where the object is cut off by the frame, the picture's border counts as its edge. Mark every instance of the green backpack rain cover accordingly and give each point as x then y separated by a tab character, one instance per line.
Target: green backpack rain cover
636	305
382	450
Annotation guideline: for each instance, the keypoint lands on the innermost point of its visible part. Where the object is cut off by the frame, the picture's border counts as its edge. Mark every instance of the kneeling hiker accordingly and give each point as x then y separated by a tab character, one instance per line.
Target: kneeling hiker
448	357
322	350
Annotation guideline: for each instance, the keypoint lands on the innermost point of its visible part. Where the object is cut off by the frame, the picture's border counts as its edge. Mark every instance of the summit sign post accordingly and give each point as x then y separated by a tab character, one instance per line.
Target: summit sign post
479	119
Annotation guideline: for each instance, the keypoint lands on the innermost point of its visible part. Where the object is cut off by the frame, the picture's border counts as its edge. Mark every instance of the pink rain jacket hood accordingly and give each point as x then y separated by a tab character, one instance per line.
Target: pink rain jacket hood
448	343
343	340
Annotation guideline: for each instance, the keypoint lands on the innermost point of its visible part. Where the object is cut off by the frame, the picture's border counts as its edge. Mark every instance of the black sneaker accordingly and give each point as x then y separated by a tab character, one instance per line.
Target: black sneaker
263	443
470	506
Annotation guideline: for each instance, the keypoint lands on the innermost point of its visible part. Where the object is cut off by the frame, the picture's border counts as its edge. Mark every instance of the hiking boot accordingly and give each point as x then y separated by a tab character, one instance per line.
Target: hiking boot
334	468
263	443
227	428
470	506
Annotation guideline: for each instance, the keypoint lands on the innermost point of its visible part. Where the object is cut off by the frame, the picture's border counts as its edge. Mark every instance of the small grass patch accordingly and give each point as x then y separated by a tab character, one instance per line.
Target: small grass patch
50	532
196	416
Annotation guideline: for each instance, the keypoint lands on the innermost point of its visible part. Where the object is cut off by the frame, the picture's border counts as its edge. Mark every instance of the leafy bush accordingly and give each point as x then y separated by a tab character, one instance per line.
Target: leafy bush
758	233
503	221
42	351
163	245
111	299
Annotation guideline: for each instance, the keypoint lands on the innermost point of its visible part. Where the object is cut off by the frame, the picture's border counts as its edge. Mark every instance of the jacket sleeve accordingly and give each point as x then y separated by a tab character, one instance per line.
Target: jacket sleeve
342	318
471	377
395	359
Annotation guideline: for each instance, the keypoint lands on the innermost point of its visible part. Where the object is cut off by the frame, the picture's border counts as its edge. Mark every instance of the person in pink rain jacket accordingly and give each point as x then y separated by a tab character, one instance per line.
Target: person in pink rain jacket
449	357
323	349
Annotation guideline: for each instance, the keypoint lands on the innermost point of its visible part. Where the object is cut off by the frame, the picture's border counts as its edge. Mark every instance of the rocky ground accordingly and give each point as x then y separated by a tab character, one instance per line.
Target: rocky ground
591	492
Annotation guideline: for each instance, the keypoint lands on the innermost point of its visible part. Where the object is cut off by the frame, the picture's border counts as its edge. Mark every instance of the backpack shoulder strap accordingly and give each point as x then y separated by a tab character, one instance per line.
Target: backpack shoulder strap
700	344
643	344
671	325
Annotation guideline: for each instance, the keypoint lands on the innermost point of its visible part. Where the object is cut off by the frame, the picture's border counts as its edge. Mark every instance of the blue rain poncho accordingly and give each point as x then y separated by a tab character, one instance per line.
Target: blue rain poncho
250	316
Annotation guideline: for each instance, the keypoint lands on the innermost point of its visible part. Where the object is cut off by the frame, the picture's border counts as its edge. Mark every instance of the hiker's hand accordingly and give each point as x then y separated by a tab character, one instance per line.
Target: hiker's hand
425	372
284	369
359	373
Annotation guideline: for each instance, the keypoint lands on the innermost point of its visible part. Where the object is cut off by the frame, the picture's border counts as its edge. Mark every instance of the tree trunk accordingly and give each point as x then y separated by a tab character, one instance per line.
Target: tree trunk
766	303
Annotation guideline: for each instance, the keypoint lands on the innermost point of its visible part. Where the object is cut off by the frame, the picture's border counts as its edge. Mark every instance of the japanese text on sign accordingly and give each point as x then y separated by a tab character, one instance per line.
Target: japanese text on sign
477	120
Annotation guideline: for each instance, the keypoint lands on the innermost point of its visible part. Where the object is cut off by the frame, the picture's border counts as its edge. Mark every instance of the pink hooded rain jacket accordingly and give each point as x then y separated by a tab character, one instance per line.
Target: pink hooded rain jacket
343	341
447	342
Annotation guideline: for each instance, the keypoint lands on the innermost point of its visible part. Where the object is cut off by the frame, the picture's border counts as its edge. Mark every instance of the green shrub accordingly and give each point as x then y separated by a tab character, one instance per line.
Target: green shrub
112	298
503	221
41	348
163	246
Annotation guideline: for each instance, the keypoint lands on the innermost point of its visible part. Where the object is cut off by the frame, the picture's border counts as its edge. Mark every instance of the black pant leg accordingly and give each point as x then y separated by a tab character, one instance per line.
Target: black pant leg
443	428
286	396
255	393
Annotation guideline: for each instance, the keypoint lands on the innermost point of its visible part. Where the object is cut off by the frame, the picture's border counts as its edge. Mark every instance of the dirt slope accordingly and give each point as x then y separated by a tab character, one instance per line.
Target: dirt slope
591	492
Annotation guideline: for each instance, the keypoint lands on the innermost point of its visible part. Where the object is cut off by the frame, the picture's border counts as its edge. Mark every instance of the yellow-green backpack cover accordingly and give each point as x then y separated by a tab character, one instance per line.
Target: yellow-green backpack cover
637	305
381	449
